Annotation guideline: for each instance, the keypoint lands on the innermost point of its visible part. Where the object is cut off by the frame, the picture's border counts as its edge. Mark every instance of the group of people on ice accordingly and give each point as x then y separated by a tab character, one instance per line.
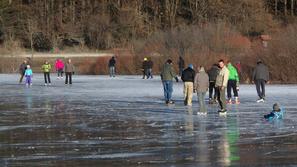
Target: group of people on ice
219	79
68	68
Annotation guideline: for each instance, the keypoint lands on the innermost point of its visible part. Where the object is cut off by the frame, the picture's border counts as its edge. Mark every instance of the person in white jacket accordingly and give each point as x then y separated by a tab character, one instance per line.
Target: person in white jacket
221	84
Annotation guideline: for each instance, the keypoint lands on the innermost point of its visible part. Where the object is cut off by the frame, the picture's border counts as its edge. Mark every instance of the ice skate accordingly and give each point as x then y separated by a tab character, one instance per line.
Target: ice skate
260	101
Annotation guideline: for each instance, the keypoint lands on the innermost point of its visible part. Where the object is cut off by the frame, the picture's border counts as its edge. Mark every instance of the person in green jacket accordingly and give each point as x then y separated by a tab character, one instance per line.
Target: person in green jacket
233	84
46	68
167	75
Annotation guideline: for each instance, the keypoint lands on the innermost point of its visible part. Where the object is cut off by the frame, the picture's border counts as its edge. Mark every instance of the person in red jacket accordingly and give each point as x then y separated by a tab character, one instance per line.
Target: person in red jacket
59	65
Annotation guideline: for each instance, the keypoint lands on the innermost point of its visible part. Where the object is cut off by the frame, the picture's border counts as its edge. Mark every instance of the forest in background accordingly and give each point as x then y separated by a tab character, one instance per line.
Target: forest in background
201	31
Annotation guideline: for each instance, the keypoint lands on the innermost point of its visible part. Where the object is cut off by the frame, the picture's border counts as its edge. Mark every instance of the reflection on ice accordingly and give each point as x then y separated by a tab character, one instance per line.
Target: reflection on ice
103	121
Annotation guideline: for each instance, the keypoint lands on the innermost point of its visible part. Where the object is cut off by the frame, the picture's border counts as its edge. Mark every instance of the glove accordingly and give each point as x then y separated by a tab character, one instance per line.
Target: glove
176	79
72	73
237	88
194	91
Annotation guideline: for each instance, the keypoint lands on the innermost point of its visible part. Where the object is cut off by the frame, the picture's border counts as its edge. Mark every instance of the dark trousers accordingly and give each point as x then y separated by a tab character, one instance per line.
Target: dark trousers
150	73
21	78
260	86
222	98
68	75
60	72
232	86
213	89
47	78
145	74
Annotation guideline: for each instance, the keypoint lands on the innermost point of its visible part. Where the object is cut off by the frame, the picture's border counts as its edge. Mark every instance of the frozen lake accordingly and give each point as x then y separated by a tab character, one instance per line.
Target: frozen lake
123	121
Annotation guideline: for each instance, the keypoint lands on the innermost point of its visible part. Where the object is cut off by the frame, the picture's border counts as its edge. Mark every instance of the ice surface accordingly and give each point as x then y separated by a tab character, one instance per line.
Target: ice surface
122	121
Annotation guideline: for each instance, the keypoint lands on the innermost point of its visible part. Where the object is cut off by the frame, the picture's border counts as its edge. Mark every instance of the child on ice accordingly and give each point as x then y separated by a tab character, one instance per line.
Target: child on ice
28	75
277	113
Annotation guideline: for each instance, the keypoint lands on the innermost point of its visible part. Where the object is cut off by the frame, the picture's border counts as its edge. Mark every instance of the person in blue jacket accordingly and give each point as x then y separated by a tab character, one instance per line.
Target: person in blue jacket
277	113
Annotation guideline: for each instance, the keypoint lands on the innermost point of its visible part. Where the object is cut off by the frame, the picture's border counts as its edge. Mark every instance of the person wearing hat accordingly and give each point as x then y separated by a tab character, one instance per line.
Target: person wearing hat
188	76
167	75
201	85
260	78
145	68
277	113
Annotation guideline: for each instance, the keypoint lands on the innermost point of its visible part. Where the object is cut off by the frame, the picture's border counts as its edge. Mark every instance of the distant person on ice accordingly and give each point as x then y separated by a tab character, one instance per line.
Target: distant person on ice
181	65
111	65
46	68
277	113
59	65
188	76
145	68
29	76
233	84
22	70
260	78
221	84
150	68
167	75
213	91
69	71
201	85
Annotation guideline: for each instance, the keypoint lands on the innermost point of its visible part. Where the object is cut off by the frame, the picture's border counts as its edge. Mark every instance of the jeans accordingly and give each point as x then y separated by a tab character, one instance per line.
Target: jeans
68	75
28	79
168	89
47	77
188	92
232	86
260	86
222	98
201	97
213	89
112	71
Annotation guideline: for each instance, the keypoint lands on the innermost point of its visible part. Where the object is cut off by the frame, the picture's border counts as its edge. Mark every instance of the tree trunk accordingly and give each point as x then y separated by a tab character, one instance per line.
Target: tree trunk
275	6
292	7
286	3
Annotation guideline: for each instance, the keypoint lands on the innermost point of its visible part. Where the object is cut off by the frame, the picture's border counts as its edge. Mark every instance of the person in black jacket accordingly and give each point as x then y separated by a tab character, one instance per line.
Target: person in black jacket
145	68
188	76
260	78
213	92
111	65
181	65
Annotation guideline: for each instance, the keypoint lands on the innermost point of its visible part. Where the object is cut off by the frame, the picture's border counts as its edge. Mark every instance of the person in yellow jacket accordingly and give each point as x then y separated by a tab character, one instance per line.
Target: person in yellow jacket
221	84
46	68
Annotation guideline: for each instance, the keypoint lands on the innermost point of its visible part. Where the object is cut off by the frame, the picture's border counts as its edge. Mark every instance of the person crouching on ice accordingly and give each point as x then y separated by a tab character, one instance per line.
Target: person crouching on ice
277	113
28	75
